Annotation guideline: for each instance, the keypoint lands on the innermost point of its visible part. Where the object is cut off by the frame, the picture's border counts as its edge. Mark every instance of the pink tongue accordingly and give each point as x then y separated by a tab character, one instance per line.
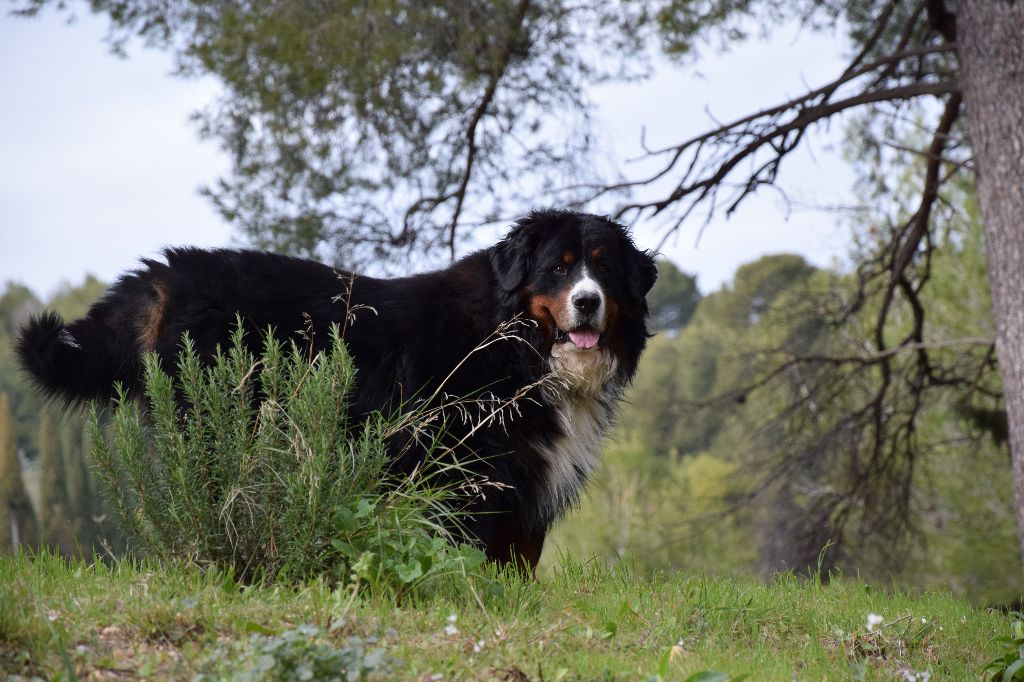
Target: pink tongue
584	339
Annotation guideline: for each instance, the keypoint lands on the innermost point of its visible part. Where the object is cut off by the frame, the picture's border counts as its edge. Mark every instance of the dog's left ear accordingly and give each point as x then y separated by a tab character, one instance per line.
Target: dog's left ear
509	258
643	272
641	269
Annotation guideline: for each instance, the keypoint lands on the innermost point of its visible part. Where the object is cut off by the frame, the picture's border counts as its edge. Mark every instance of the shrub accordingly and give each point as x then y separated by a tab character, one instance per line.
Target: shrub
265	475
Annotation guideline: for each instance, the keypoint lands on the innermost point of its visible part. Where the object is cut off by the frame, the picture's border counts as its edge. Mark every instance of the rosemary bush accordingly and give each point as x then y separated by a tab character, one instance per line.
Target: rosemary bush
254	466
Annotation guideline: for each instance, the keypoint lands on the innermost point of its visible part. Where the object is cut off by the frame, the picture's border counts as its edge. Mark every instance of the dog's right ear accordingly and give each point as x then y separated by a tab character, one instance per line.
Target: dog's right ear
510	258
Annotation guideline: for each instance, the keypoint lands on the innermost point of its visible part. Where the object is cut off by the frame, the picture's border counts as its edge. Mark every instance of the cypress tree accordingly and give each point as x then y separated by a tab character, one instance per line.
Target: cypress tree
79	497
17	519
53	506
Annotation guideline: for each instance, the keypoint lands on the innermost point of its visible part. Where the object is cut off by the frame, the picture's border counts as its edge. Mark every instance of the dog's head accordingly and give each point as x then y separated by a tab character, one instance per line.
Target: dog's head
584	282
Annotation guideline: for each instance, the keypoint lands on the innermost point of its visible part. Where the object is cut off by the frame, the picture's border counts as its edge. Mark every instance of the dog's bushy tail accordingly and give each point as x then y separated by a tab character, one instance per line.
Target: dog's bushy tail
77	362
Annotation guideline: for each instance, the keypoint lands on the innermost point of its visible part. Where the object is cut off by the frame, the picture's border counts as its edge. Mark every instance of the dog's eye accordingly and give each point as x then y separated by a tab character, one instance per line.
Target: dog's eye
560	270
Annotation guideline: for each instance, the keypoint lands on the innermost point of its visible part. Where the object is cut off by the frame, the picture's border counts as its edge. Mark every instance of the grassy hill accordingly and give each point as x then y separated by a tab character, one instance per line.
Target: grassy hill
128	620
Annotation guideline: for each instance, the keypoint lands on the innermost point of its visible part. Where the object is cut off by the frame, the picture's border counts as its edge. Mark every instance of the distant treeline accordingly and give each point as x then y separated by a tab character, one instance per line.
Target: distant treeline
48	495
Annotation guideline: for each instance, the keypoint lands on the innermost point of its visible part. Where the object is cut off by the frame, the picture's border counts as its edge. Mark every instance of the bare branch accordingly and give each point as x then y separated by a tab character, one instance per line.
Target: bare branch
802	100
782	137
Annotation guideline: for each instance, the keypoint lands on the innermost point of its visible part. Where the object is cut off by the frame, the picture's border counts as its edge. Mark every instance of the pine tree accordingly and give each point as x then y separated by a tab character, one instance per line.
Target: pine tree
17	519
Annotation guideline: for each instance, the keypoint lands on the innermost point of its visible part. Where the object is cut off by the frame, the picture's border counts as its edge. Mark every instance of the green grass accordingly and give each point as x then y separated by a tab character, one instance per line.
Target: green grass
582	622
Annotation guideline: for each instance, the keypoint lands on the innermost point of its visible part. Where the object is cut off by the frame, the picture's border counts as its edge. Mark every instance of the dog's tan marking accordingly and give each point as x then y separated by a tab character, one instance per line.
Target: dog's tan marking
568	257
151	319
551	311
540	312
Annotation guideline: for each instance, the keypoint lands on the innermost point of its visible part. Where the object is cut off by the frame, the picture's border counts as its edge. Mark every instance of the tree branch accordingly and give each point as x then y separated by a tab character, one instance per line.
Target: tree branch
500	67
714	171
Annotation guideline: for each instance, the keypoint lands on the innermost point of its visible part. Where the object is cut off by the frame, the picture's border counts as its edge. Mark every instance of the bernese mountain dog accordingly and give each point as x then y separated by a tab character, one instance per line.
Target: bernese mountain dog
547	325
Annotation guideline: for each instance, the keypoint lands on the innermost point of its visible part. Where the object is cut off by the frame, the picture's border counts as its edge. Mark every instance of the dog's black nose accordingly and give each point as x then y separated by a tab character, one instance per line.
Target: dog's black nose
586	303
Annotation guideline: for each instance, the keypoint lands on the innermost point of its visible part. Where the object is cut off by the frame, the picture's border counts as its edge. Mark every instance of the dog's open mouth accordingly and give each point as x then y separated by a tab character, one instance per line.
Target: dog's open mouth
584	339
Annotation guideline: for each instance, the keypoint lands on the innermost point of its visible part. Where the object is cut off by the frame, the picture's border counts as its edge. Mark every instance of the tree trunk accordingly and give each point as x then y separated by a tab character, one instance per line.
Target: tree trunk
990	39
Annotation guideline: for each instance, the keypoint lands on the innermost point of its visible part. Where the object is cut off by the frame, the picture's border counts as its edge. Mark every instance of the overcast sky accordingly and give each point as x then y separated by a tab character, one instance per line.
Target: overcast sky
99	164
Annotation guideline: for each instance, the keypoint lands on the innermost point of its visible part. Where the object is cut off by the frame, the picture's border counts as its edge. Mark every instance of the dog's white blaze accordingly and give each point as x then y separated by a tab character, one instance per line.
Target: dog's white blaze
587	285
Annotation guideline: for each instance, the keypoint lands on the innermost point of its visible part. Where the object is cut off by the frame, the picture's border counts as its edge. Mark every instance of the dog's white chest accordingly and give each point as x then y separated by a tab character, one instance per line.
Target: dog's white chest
572	456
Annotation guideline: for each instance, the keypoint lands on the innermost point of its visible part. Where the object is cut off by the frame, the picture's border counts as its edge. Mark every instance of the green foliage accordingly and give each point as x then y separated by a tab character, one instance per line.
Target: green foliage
264	475
756	288
657	513
297	655
685	24
1009	665
384	555
662	393
687	385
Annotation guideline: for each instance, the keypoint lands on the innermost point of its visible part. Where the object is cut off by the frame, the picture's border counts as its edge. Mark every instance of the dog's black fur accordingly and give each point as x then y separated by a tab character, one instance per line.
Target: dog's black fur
564	274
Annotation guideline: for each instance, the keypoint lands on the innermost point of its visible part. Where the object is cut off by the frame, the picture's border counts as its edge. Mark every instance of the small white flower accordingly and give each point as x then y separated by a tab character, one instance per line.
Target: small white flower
923	621
478	647
874	620
452	618
451	630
